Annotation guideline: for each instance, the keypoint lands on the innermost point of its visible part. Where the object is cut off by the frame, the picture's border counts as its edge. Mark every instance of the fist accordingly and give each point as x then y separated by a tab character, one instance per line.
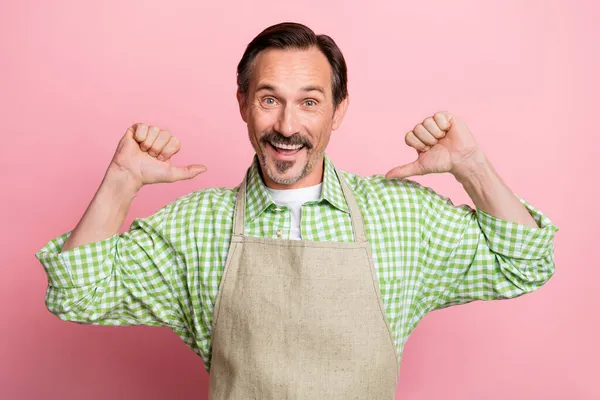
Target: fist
443	144
144	154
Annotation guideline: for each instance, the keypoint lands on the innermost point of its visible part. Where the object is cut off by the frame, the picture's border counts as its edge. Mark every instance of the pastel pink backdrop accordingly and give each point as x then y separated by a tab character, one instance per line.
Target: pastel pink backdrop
523	75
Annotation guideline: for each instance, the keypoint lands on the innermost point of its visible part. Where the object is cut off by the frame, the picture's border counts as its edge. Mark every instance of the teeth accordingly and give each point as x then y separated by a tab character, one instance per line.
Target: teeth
287	146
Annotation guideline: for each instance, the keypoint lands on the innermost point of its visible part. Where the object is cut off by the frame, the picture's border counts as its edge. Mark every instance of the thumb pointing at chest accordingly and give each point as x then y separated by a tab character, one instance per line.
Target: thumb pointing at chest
406	170
185	172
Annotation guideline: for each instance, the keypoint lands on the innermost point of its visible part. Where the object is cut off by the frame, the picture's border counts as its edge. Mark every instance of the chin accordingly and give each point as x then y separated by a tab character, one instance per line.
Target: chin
290	176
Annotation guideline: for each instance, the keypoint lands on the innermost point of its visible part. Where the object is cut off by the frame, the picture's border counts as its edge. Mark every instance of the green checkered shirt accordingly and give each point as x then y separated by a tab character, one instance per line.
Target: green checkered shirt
429	254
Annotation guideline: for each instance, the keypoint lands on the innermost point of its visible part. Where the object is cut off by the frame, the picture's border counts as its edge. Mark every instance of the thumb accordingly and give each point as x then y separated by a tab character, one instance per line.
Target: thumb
187	172
405	171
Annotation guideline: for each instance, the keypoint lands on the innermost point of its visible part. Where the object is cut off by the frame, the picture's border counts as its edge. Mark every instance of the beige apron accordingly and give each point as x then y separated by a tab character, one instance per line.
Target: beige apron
301	319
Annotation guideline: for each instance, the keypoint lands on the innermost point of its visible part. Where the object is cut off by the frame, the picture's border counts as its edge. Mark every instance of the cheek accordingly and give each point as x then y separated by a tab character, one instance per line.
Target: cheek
314	122
324	140
322	130
261	120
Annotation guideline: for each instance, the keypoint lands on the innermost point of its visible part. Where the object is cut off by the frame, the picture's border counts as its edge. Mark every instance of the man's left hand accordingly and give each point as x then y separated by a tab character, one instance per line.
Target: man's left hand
443	144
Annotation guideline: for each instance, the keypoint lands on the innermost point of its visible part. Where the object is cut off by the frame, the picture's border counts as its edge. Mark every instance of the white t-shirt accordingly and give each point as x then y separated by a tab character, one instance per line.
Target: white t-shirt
294	198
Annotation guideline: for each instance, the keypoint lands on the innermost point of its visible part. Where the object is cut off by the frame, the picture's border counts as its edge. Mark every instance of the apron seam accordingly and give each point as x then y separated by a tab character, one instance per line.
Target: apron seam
375	280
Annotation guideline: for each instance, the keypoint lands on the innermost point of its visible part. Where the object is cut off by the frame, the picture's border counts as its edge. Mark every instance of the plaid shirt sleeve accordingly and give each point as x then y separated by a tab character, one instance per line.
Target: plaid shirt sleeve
471	255
126	279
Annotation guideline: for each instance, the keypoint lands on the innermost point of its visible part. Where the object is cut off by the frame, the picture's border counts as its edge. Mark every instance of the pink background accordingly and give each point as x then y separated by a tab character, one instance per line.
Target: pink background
523	75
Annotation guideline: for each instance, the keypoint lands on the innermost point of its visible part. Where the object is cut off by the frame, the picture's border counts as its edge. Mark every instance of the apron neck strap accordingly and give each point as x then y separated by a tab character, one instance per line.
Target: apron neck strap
358	225
239	212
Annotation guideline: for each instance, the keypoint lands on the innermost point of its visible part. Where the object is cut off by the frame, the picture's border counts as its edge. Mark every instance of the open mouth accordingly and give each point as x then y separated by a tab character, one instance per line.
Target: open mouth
286	149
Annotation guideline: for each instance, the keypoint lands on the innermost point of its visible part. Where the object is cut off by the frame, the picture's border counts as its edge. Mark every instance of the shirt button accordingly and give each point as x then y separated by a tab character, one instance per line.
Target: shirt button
279	233
277	209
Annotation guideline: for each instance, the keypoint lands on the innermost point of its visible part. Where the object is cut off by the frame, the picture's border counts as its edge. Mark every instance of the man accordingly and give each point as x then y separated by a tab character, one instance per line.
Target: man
304	281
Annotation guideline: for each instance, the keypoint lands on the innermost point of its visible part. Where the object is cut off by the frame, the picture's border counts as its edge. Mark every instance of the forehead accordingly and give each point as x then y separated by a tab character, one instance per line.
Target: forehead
292	68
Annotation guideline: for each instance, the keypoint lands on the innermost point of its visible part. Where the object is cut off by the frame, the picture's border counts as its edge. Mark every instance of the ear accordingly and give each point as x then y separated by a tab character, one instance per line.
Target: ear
340	112
243	105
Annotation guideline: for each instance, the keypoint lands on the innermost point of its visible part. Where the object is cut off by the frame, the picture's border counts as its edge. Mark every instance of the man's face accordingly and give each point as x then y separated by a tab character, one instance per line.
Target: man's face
290	114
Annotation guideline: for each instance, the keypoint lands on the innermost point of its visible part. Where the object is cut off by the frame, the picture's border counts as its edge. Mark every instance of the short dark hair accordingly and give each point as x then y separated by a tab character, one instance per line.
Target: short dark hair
292	35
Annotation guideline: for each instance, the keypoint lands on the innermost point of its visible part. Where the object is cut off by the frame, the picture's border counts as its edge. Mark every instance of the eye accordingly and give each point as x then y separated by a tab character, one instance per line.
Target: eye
269	101
310	103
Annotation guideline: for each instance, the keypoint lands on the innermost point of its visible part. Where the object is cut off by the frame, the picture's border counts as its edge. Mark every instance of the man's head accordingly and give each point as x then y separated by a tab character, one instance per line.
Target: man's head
292	92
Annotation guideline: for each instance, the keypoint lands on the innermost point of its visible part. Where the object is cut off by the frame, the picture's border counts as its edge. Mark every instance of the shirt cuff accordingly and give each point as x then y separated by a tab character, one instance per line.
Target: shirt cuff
516	240
79	266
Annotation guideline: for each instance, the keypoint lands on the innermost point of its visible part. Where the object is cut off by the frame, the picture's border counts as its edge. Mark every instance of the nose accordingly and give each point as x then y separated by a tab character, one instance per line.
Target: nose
287	121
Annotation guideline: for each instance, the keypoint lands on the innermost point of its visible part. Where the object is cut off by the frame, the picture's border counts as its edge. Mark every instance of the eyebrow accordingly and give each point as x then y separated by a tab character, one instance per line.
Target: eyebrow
313	88
310	88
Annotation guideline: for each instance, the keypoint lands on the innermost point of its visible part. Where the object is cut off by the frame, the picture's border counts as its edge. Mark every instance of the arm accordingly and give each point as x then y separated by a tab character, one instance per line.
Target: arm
489	192
98	276
502	250
507	241
469	255
107	211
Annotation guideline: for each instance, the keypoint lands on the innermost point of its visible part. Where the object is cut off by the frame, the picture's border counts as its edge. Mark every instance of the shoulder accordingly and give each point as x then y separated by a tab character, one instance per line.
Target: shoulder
377	187
208	201
204	205
404	198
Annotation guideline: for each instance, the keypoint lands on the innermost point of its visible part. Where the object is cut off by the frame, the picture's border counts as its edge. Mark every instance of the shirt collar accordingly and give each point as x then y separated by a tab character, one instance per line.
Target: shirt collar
258	198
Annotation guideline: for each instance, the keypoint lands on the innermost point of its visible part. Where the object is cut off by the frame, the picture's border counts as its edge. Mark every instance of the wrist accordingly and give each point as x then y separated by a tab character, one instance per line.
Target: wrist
120	180
472	169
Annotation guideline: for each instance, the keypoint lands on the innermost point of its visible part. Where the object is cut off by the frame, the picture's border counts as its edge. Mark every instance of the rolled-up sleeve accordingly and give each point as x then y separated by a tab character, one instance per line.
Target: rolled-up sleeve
467	254
126	279
80	266
516	240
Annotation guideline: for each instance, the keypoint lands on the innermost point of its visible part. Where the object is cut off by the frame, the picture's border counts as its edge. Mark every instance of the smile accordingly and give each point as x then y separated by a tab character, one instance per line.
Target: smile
280	146
284	151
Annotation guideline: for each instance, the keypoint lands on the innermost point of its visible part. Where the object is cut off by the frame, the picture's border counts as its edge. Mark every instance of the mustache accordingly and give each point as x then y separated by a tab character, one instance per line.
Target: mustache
276	137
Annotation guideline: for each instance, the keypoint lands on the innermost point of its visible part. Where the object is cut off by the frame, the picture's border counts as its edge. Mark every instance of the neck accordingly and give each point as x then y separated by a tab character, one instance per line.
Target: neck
313	178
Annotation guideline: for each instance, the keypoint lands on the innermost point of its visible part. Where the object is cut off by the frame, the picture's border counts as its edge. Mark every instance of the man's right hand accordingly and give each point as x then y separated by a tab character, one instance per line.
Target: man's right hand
143	156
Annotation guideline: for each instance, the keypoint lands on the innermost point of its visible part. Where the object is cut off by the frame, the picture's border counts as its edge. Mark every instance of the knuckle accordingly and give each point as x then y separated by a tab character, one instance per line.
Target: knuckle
174	145
167	148
140	131
166	136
